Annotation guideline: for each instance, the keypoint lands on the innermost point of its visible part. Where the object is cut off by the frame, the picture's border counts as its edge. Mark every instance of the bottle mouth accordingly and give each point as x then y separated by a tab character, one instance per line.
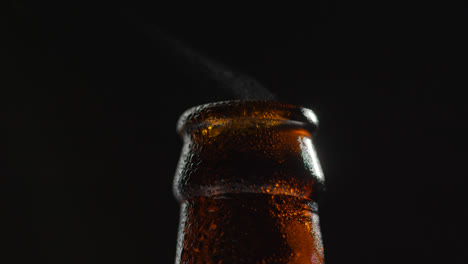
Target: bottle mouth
248	110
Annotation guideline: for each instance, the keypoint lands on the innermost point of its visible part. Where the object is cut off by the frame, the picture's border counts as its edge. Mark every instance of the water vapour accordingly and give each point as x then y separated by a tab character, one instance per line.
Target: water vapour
238	85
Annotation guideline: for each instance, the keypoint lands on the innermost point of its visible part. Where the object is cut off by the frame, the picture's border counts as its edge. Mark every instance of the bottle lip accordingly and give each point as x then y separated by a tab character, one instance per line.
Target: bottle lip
246	109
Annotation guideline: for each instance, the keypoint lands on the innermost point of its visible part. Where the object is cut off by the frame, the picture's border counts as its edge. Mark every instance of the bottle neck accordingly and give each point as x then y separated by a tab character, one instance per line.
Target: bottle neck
249	228
248	179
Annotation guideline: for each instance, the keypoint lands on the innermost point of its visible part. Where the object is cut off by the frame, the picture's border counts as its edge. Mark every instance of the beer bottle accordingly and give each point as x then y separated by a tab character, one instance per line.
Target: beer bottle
248	181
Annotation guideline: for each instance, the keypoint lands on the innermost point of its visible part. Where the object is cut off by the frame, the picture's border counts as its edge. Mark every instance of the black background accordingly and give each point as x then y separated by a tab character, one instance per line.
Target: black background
90	98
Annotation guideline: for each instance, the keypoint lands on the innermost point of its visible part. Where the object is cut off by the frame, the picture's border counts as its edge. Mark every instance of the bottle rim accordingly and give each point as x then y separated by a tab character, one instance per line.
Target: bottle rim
262	110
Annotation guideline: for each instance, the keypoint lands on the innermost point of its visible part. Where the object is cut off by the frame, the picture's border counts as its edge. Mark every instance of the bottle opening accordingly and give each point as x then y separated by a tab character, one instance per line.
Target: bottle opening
248	146
246	111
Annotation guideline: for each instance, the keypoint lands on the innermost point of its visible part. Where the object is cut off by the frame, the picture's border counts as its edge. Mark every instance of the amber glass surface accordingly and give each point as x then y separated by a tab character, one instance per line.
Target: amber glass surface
248	181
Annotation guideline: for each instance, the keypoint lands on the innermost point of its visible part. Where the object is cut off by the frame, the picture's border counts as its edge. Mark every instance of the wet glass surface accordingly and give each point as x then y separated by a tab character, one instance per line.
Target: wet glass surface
248	180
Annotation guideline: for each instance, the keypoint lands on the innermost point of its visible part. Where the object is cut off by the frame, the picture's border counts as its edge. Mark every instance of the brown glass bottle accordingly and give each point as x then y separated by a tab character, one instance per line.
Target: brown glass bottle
248	180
